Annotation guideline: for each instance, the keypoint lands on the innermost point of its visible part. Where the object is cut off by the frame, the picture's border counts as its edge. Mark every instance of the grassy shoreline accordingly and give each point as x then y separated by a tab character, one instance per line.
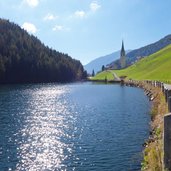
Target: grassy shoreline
153	152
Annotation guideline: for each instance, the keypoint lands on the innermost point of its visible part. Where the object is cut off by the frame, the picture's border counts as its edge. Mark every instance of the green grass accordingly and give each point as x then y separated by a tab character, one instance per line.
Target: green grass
102	75
154	67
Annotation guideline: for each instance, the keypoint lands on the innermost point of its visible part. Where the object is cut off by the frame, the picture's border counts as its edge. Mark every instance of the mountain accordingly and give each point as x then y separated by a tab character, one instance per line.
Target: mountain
23	58
155	67
137	54
149	49
97	63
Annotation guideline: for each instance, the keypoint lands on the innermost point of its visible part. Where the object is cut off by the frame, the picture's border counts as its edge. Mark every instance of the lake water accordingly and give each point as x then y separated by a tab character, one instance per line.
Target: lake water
81	126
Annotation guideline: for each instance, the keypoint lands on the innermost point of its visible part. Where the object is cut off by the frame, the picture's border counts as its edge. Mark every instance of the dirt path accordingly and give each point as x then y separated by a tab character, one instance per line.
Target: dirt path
115	76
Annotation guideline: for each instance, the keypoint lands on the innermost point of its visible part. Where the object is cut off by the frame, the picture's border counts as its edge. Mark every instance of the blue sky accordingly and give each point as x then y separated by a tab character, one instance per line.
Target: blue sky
86	29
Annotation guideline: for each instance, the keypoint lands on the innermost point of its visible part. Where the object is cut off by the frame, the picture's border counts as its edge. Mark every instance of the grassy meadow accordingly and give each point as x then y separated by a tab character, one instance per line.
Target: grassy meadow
103	75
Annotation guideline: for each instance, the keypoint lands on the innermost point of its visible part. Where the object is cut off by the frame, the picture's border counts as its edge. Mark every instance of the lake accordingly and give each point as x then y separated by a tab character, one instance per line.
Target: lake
79	126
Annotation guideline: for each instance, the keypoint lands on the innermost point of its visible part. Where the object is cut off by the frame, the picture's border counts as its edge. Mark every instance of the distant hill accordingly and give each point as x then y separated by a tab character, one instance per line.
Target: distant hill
97	63
23	58
137	54
149	49
155	67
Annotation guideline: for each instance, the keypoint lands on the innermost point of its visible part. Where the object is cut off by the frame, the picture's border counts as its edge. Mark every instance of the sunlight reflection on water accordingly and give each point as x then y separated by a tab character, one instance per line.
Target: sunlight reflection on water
42	146
81	127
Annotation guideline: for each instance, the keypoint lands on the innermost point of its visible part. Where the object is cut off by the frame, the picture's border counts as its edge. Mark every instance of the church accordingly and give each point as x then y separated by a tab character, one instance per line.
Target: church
120	63
122	57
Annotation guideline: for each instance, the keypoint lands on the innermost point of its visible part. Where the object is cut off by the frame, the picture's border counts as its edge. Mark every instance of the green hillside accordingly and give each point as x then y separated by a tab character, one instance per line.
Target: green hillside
154	67
103	75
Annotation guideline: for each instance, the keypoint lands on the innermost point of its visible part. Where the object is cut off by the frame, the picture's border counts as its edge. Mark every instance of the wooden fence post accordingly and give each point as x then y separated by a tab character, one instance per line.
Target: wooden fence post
162	87
165	93
168	94
167	141
169	103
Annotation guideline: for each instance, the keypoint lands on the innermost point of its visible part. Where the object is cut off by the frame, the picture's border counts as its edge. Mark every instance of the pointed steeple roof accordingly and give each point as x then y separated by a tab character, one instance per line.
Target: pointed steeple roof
122	49
123	56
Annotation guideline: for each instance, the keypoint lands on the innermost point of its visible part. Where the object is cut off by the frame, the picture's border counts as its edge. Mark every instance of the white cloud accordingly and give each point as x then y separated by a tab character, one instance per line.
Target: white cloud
94	6
80	14
31	28
50	17
58	28
31	3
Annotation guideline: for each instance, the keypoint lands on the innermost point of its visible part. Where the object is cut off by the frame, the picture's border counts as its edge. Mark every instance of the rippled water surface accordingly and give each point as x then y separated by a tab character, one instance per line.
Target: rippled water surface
80	127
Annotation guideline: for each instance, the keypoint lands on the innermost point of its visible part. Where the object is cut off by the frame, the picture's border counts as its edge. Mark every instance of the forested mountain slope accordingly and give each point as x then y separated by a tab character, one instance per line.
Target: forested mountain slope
23	58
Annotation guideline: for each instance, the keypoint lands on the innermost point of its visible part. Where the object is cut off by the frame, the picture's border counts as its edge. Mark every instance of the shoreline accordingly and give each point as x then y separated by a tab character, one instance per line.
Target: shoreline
153	153
153	147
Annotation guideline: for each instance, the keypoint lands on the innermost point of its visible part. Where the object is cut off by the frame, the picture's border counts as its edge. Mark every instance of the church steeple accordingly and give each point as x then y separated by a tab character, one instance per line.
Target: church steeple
122	56
122	49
